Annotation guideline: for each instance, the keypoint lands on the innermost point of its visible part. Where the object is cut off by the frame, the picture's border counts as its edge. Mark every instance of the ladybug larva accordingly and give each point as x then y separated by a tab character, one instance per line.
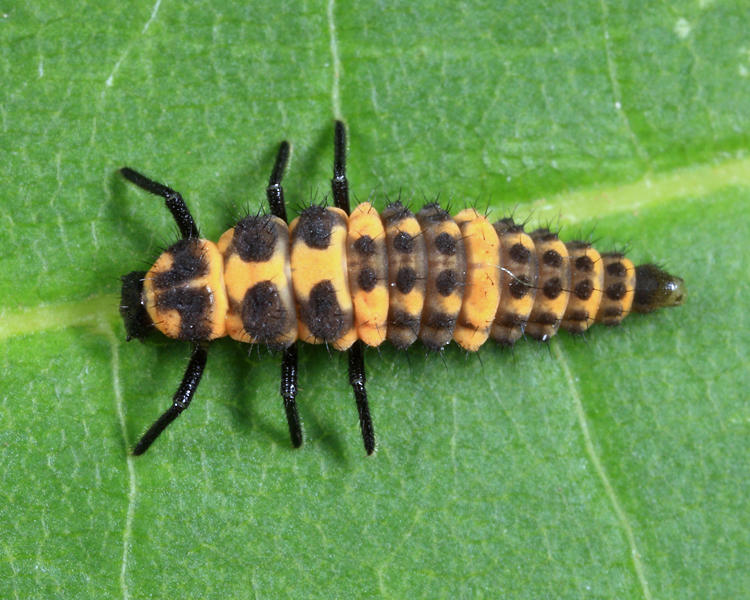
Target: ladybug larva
350	279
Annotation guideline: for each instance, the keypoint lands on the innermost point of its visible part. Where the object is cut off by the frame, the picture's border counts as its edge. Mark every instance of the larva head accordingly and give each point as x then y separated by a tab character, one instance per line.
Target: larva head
655	288
137	322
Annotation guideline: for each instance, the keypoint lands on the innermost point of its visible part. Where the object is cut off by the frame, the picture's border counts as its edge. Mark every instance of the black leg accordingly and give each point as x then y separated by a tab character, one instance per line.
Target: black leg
289	393
357	379
274	191
275	195
339	184
181	399
174	201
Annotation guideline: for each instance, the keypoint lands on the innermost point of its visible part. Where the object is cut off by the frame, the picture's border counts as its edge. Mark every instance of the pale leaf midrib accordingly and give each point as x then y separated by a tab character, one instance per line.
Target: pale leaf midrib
579	206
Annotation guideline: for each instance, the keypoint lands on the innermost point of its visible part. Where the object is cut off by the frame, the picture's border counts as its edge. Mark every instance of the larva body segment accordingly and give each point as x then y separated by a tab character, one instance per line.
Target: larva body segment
258	281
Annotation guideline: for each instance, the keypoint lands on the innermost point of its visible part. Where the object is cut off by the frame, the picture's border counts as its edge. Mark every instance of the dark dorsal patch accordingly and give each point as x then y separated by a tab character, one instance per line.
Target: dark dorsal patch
441	321
584	263
395	212
520	254
512	319
446	282
507	225
403	328
367	279
613	312
583	290
365	246
194	307
433	213
322	313
544	235
445	244
519	286
188	263
547	318
315	225
405	279
578	245
255	238
616	269
578	315
403	242
552	288
263	314
552	258
616	291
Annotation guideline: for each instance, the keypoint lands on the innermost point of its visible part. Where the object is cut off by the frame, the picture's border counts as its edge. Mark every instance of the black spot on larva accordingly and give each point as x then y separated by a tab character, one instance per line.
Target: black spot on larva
445	244
519	286
255	238
552	288
263	313
440	320
578	315
315	225
405	279
584	289
322	313
585	264
519	253
616	269
552	258
512	319
613	312
193	306
367	279
365	245
616	291
403	242
446	282
188	263
401	319
547	318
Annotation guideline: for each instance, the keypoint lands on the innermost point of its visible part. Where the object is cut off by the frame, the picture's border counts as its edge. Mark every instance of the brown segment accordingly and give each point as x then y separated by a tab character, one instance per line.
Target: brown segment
618	287
258	281
587	282
518	280
184	291
368	273
407	274
446	273
554	284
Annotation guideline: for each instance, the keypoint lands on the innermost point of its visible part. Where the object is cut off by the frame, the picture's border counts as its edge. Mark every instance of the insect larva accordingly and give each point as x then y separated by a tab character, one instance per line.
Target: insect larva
350	280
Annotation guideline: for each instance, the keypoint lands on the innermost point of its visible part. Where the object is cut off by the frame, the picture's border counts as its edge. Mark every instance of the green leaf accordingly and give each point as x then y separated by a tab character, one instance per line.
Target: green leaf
611	466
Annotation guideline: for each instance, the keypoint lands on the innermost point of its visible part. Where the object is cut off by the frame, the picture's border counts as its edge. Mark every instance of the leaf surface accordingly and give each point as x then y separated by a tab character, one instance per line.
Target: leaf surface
613	465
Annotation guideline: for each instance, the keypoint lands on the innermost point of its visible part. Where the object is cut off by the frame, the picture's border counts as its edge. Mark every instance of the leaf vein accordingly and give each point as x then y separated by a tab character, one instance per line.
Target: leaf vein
635	555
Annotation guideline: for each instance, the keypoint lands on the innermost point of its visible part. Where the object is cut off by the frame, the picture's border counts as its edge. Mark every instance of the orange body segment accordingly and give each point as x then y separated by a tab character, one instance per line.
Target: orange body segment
482	287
